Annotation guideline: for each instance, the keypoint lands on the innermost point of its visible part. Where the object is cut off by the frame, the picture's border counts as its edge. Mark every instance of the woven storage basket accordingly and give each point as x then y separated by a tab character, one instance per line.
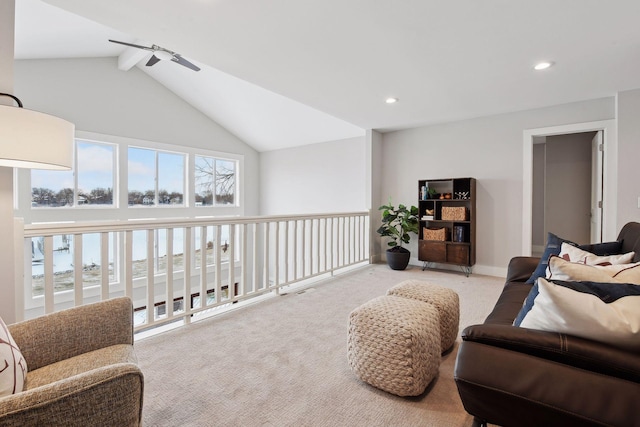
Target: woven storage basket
440	234
454	213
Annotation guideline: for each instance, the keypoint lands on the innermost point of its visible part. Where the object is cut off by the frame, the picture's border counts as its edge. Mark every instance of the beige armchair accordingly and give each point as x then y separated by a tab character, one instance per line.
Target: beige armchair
82	369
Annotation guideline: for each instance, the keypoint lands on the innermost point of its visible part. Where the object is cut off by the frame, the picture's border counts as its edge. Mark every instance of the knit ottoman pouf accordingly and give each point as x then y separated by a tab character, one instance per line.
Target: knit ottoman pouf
444	299
394	344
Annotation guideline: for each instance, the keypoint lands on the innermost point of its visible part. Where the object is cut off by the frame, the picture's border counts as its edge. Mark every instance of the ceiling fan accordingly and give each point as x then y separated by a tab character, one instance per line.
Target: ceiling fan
160	53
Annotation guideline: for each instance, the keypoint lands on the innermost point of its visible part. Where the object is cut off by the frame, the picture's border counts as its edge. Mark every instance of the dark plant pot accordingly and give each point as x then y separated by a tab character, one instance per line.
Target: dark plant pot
398	258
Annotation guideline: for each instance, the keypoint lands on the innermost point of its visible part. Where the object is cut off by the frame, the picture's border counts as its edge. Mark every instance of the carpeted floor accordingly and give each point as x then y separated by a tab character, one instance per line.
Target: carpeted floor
282	362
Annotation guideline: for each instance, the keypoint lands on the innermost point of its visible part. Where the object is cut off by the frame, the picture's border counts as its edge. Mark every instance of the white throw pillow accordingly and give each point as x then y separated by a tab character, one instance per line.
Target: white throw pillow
13	367
575	254
605	312
561	269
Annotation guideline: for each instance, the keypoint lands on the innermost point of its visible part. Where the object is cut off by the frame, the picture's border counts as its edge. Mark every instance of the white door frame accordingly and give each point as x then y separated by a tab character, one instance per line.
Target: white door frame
610	181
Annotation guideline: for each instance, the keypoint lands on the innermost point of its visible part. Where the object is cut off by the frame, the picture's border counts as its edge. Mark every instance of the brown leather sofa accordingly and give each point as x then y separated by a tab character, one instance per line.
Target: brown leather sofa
512	376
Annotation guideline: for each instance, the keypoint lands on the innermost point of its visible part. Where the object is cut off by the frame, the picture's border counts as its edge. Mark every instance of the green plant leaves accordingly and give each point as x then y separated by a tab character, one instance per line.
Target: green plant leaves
398	222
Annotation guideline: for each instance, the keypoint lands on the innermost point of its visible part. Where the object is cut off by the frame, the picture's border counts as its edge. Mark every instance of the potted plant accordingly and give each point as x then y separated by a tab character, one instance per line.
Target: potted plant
397	223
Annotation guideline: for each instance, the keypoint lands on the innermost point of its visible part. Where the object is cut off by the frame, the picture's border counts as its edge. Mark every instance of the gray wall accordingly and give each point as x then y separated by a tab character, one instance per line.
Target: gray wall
567	204
97	97
316	178
628	156
489	149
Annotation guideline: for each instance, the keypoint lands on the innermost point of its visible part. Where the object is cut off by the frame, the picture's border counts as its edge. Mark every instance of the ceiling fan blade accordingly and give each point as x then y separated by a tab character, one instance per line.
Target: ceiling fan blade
180	60
131	44
153	60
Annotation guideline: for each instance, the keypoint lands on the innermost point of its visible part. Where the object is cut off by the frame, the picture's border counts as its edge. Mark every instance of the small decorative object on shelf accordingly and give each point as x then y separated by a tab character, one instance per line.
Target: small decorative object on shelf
448	227
439	234
458	233
454	213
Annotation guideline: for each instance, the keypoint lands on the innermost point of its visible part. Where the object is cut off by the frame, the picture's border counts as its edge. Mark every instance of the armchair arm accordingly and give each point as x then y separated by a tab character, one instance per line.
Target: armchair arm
93	398
68	333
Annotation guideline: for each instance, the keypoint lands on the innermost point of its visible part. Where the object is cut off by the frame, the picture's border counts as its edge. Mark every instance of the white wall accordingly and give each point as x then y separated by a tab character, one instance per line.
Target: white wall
316	178
97	97
488	149
628	156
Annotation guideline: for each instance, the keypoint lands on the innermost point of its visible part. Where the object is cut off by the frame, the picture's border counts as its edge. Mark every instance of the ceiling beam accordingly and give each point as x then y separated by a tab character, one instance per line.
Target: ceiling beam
130	57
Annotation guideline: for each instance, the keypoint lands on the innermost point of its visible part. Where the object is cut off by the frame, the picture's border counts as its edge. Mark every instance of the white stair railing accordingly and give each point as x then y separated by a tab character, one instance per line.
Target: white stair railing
159	263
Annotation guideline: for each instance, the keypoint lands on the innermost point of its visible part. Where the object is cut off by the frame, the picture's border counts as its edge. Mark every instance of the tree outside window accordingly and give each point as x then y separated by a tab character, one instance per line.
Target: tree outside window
215	181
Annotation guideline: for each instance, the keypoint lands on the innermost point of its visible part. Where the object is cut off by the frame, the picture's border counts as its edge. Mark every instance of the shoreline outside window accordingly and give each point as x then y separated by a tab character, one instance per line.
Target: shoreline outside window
156	178
176	176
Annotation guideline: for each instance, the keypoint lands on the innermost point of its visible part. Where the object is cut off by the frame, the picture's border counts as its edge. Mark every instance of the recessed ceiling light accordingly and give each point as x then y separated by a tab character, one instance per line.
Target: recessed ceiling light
543	65
391	100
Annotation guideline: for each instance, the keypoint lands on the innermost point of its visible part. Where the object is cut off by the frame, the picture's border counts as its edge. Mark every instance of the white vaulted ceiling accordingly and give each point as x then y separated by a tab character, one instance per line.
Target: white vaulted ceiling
280	73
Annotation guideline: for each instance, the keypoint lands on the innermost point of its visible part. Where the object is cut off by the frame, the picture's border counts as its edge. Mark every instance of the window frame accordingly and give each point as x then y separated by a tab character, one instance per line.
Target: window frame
119	210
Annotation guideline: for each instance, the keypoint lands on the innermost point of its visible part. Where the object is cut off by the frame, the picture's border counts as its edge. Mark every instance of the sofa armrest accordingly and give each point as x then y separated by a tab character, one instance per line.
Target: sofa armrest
111	395
561	348
68	333
521	267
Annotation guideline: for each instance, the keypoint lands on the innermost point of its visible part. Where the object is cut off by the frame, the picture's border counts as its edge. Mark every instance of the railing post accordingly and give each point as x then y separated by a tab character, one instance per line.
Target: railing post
104	265
19	269
78	270
277	258
150	277
218	264
169	272
186	260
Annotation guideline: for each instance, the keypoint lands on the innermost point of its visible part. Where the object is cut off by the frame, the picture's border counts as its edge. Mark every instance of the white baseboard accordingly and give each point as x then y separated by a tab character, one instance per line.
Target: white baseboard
486	270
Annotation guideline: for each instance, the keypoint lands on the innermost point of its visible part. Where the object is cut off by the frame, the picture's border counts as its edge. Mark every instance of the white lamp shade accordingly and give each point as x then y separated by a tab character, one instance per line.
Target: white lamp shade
29	139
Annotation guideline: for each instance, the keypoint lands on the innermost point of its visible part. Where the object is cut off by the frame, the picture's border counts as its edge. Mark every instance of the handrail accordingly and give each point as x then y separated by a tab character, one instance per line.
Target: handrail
55	228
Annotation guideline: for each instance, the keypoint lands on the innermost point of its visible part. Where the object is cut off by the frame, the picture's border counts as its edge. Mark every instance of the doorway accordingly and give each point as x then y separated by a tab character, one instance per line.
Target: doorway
604	129
567	184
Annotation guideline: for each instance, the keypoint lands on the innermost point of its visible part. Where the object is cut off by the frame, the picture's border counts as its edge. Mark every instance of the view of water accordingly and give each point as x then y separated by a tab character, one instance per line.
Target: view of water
63	259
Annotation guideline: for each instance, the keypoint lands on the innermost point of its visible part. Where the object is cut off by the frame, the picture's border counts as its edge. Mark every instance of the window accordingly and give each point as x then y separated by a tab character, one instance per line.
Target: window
91	182
156	178
215	181
156	175
94	173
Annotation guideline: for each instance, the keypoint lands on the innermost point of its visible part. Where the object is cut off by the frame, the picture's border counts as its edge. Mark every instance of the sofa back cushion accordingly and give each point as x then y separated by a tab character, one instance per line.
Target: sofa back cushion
630	238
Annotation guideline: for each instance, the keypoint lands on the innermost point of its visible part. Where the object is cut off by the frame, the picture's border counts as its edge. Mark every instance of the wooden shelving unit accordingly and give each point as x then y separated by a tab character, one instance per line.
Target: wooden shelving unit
459	244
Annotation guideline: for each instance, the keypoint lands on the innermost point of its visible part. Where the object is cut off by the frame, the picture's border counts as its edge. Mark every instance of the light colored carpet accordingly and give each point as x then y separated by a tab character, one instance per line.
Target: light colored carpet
283	362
